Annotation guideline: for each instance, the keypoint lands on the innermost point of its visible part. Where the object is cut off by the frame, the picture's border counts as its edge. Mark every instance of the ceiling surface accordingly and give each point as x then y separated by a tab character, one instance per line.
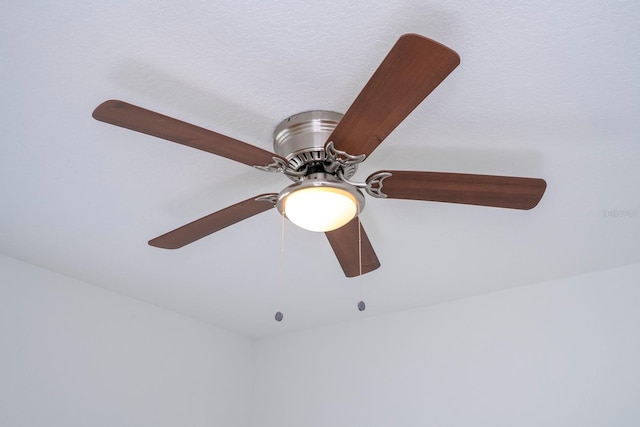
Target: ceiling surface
545	89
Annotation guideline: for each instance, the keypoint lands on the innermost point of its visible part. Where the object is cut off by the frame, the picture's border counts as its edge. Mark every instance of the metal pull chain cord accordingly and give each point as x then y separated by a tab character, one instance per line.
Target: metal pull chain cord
361	304
279	316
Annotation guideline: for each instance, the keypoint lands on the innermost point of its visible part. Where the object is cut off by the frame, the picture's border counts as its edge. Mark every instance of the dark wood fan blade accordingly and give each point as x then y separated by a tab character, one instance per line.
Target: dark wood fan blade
214	222
344	242
129	116
413	68
483	190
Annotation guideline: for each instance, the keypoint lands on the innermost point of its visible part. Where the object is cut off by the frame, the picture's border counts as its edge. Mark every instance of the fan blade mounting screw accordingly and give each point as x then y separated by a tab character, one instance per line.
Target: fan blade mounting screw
279	317
361	306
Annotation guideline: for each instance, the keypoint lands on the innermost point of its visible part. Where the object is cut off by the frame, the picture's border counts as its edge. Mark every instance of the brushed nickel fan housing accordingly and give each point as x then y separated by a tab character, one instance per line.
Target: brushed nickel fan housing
301	140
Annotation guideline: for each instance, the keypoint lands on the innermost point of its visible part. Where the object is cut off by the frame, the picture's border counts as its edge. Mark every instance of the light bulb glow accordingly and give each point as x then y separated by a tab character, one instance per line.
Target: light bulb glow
320	208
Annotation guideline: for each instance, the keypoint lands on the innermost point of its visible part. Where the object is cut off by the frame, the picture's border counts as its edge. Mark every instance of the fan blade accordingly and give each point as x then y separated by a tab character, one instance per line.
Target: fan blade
129	116
413	68
214	222
344	242
482	190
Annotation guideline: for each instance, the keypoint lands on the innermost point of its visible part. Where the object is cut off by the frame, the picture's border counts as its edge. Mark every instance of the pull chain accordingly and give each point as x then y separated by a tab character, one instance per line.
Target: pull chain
361	304
360	249
279	316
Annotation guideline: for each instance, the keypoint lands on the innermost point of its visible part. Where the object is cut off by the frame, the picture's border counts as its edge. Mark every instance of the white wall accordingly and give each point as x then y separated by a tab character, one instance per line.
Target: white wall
72	354
565	353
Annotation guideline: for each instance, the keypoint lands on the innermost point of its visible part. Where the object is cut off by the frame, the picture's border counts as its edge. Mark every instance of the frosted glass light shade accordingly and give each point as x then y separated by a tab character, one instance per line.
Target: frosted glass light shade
320	208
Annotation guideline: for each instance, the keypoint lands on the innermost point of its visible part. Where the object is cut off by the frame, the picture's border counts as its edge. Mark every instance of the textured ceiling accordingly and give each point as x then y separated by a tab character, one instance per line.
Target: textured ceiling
545	89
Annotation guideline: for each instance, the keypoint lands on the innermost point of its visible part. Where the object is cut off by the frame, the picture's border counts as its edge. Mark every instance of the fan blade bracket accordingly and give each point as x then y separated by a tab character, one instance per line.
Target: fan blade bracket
269	198
374	184
280	165
338	159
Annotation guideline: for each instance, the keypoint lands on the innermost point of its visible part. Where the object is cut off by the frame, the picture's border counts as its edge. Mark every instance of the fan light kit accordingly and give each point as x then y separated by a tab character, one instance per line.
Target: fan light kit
321	150
322	205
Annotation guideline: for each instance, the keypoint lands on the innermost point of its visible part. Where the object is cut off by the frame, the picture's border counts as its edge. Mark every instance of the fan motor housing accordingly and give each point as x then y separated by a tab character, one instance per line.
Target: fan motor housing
301	139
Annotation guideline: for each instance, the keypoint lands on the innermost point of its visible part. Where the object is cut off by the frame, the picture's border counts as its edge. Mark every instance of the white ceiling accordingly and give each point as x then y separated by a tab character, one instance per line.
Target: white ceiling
545	89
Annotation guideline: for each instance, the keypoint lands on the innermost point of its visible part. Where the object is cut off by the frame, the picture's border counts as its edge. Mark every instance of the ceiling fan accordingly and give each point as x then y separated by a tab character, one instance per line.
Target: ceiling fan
320	151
